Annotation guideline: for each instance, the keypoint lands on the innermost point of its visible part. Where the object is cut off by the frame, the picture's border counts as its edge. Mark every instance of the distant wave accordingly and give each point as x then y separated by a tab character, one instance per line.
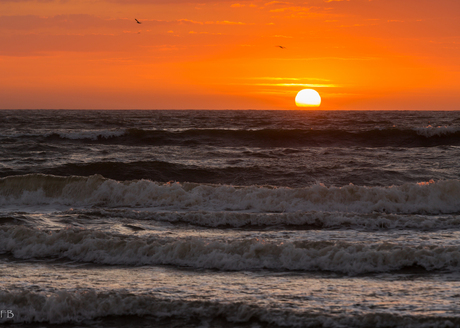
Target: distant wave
35	189
91	134
416	137
235	255
70	134
165	171
431	131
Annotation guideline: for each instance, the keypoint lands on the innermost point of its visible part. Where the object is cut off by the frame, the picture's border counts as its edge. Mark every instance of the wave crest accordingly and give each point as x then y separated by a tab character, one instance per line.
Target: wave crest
35	189
249	254
383	137
146	310
431	131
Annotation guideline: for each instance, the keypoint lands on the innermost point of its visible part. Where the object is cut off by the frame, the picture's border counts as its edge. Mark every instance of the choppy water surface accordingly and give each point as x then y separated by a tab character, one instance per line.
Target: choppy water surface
230	218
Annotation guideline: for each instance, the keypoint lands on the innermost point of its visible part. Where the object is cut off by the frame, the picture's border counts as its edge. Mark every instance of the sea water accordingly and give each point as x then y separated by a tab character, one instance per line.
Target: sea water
229	218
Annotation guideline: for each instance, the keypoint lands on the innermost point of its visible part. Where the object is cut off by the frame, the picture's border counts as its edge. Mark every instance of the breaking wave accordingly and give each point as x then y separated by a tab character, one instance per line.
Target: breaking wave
235	255
385	137
116	308
90	134
432	131
416	198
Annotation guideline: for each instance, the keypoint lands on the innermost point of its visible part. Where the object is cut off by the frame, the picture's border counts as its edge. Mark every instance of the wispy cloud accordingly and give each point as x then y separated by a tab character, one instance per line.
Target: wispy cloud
226	23
189	21
304	85
295	9
237	5
277	3
209	33
330	58
268	78
85	22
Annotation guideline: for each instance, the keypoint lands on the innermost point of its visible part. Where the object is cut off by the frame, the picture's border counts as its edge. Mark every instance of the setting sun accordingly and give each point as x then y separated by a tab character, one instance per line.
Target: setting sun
308	98
229	54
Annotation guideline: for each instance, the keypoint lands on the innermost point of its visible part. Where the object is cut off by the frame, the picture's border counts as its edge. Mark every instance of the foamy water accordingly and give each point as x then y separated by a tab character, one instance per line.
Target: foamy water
424	197
229	219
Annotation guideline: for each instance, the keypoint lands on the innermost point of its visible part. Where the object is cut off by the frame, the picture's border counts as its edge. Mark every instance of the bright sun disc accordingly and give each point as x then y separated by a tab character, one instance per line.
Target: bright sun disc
308	98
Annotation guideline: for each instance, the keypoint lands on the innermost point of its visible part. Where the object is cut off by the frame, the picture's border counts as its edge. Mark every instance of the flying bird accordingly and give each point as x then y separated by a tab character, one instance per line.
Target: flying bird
137	21
281	47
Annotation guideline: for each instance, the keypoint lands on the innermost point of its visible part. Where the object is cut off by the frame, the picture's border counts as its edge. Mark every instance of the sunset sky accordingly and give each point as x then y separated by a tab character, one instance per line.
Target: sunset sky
206	54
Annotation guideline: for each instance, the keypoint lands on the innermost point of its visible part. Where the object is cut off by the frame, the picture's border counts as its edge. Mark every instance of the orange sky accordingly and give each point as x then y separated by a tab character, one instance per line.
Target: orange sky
358	54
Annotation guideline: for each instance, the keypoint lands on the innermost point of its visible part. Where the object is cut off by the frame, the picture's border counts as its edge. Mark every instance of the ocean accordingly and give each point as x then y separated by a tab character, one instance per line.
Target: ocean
187	218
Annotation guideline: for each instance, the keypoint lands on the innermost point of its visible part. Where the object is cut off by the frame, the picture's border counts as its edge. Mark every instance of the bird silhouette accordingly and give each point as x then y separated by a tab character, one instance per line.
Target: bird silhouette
137	21
281	47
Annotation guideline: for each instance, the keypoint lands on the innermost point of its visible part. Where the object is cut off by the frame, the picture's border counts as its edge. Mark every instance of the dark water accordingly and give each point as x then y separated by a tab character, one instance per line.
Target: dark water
230	218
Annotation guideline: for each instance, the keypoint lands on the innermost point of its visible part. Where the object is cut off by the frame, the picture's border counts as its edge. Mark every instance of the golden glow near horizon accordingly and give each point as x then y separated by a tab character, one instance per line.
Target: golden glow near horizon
357	54
308	98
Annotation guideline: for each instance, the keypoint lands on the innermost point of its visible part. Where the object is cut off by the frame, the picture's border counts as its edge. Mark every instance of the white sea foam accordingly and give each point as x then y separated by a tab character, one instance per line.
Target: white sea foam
431	131
426	197
248	254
